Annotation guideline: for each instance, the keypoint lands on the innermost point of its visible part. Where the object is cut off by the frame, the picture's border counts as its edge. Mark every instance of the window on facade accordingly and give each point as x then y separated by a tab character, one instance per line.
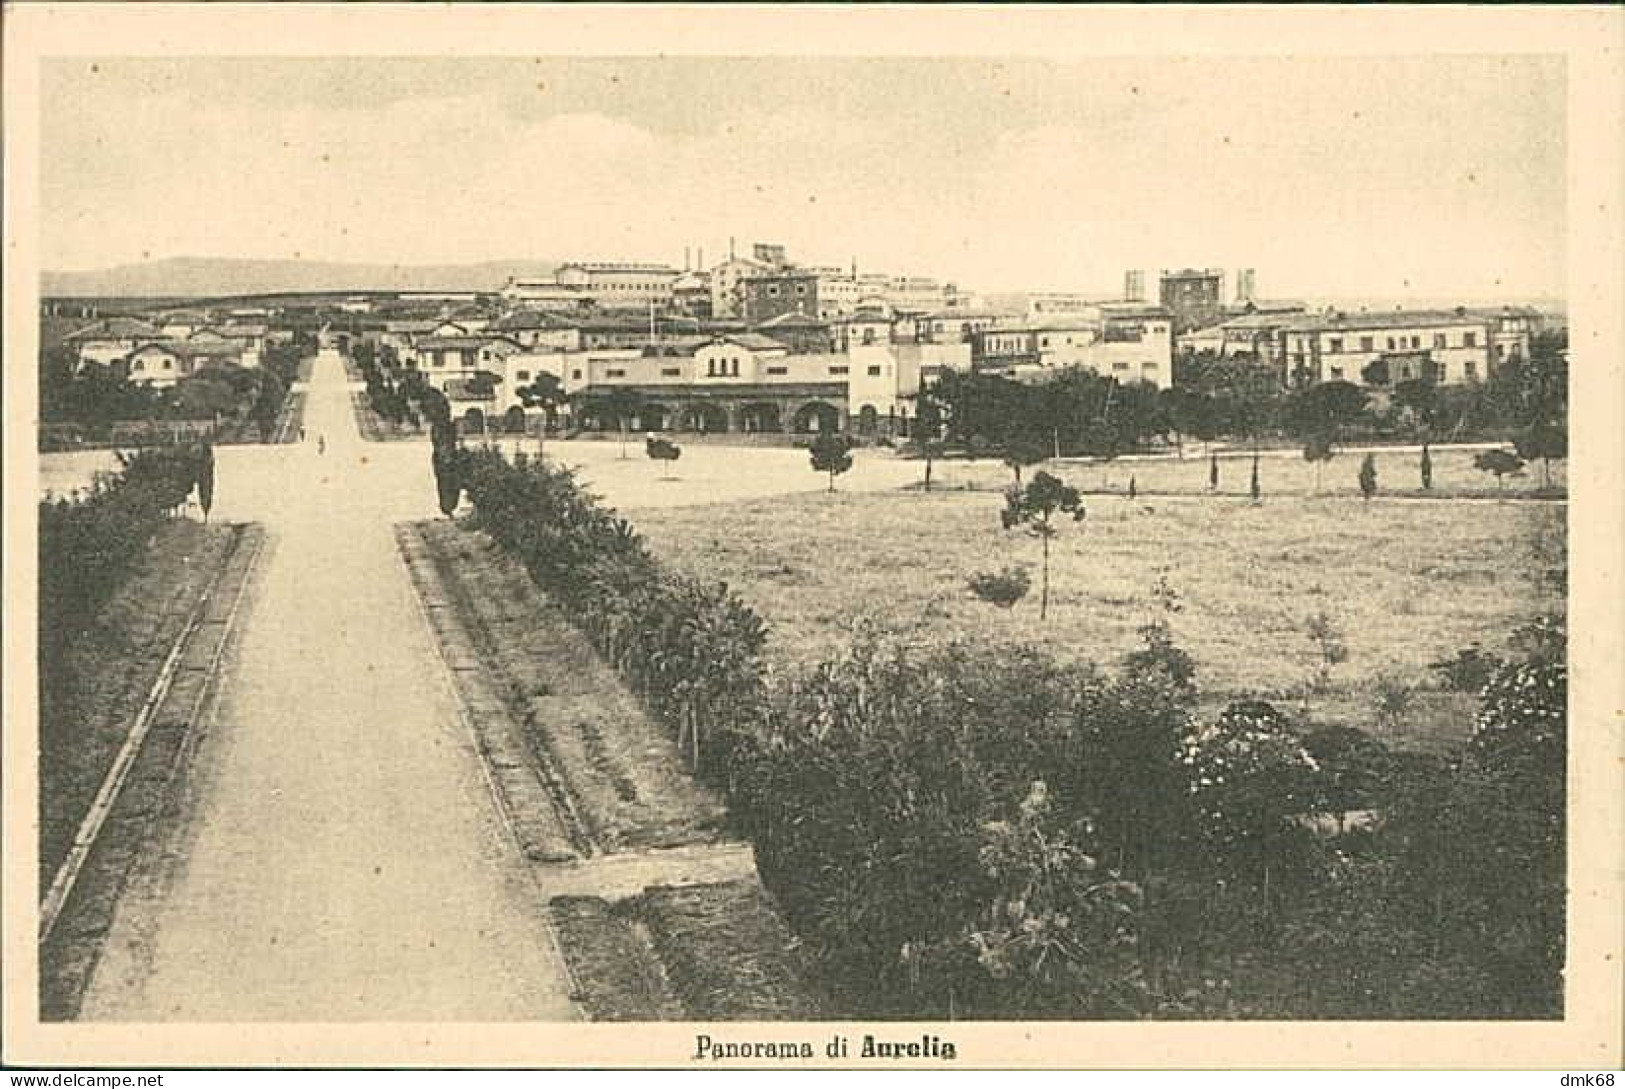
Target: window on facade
1337	372
1335	344
168	365
874	371
1120	365
614	372
1439	340
801	289
710	368
773	290
735	371
837	370
1416	342
1391	344
1366	344
778	370
671	372
1469	340
575	375
524	376
1472	368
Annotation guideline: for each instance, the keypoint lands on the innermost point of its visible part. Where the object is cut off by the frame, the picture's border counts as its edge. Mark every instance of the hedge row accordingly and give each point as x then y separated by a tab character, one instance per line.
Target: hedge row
692	650
89	545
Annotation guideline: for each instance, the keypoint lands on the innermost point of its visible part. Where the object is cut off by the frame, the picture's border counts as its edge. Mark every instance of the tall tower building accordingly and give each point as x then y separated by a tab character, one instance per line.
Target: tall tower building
1134	285
1246	285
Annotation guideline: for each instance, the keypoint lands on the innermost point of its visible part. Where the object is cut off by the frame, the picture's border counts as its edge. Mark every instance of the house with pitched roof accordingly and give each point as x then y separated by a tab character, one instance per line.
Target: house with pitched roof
110	340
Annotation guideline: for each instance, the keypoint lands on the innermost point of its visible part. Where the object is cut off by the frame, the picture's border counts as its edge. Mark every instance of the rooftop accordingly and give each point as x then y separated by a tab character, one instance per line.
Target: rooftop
116	329
756	342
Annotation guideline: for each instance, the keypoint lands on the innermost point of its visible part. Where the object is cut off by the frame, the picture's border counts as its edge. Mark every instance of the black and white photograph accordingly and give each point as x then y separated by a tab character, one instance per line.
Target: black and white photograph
835	540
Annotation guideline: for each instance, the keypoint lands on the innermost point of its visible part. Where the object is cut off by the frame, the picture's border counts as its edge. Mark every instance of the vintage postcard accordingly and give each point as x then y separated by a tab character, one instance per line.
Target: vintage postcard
808	537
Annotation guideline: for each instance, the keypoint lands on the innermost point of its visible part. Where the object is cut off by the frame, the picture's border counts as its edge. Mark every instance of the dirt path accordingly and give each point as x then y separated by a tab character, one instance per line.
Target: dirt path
343	859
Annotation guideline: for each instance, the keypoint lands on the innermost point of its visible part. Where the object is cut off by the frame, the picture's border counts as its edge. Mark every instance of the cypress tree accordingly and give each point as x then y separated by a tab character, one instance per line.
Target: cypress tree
1427	468
1257	492
205	479
1212	471
1368	477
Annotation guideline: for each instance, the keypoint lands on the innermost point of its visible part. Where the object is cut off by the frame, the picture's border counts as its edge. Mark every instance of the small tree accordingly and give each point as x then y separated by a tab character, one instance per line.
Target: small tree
1328	640
928	430
1427	468
544	392
659	449
1317	451
1368	477
1035	507
205	479
1002	588
1501	463
622	403
1547	442
1212	471
1255	489
831	452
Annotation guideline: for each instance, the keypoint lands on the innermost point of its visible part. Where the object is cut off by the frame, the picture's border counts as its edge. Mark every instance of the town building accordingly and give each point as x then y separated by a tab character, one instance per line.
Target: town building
768	294
163	363
615	285
1379	348
727	299
1195	297
110	340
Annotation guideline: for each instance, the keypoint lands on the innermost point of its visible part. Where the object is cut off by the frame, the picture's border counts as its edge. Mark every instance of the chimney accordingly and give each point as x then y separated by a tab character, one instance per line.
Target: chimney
686	265
700	260
730	247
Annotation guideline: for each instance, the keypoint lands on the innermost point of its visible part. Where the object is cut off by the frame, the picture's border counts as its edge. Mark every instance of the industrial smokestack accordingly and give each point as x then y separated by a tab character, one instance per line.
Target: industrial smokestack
686	265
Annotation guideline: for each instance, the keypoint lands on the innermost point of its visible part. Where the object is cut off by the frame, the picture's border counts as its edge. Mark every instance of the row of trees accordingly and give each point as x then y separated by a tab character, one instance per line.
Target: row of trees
90	544
1082	413
981	831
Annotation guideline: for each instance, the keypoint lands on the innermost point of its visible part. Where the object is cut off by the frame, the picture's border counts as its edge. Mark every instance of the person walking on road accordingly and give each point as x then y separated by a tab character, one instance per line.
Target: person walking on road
321	444
301	433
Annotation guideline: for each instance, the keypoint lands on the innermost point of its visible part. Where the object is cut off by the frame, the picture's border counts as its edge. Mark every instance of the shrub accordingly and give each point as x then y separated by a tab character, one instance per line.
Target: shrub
1500	463
1002	588
874	793
1469	671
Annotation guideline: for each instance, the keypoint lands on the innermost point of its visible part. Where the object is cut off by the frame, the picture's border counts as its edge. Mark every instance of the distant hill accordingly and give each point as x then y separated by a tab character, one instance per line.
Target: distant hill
201	277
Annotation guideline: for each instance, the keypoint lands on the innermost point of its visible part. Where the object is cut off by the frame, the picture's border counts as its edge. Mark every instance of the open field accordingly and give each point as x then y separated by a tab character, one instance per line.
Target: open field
1406	583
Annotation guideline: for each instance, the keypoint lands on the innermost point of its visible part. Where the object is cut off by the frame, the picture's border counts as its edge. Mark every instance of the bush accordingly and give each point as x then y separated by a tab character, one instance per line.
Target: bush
1469	671
1002	588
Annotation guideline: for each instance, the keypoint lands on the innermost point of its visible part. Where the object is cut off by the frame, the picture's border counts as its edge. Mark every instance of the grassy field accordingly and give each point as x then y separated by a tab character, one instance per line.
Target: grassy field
1405	582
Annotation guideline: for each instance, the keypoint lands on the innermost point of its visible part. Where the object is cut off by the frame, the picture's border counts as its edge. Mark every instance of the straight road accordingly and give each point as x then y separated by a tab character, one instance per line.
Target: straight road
341	858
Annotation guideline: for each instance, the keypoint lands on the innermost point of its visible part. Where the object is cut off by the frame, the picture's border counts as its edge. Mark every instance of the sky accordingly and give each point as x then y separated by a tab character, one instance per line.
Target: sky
1332	176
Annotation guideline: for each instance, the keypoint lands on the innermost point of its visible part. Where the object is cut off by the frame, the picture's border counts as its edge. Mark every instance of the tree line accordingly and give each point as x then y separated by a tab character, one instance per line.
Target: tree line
1081	413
